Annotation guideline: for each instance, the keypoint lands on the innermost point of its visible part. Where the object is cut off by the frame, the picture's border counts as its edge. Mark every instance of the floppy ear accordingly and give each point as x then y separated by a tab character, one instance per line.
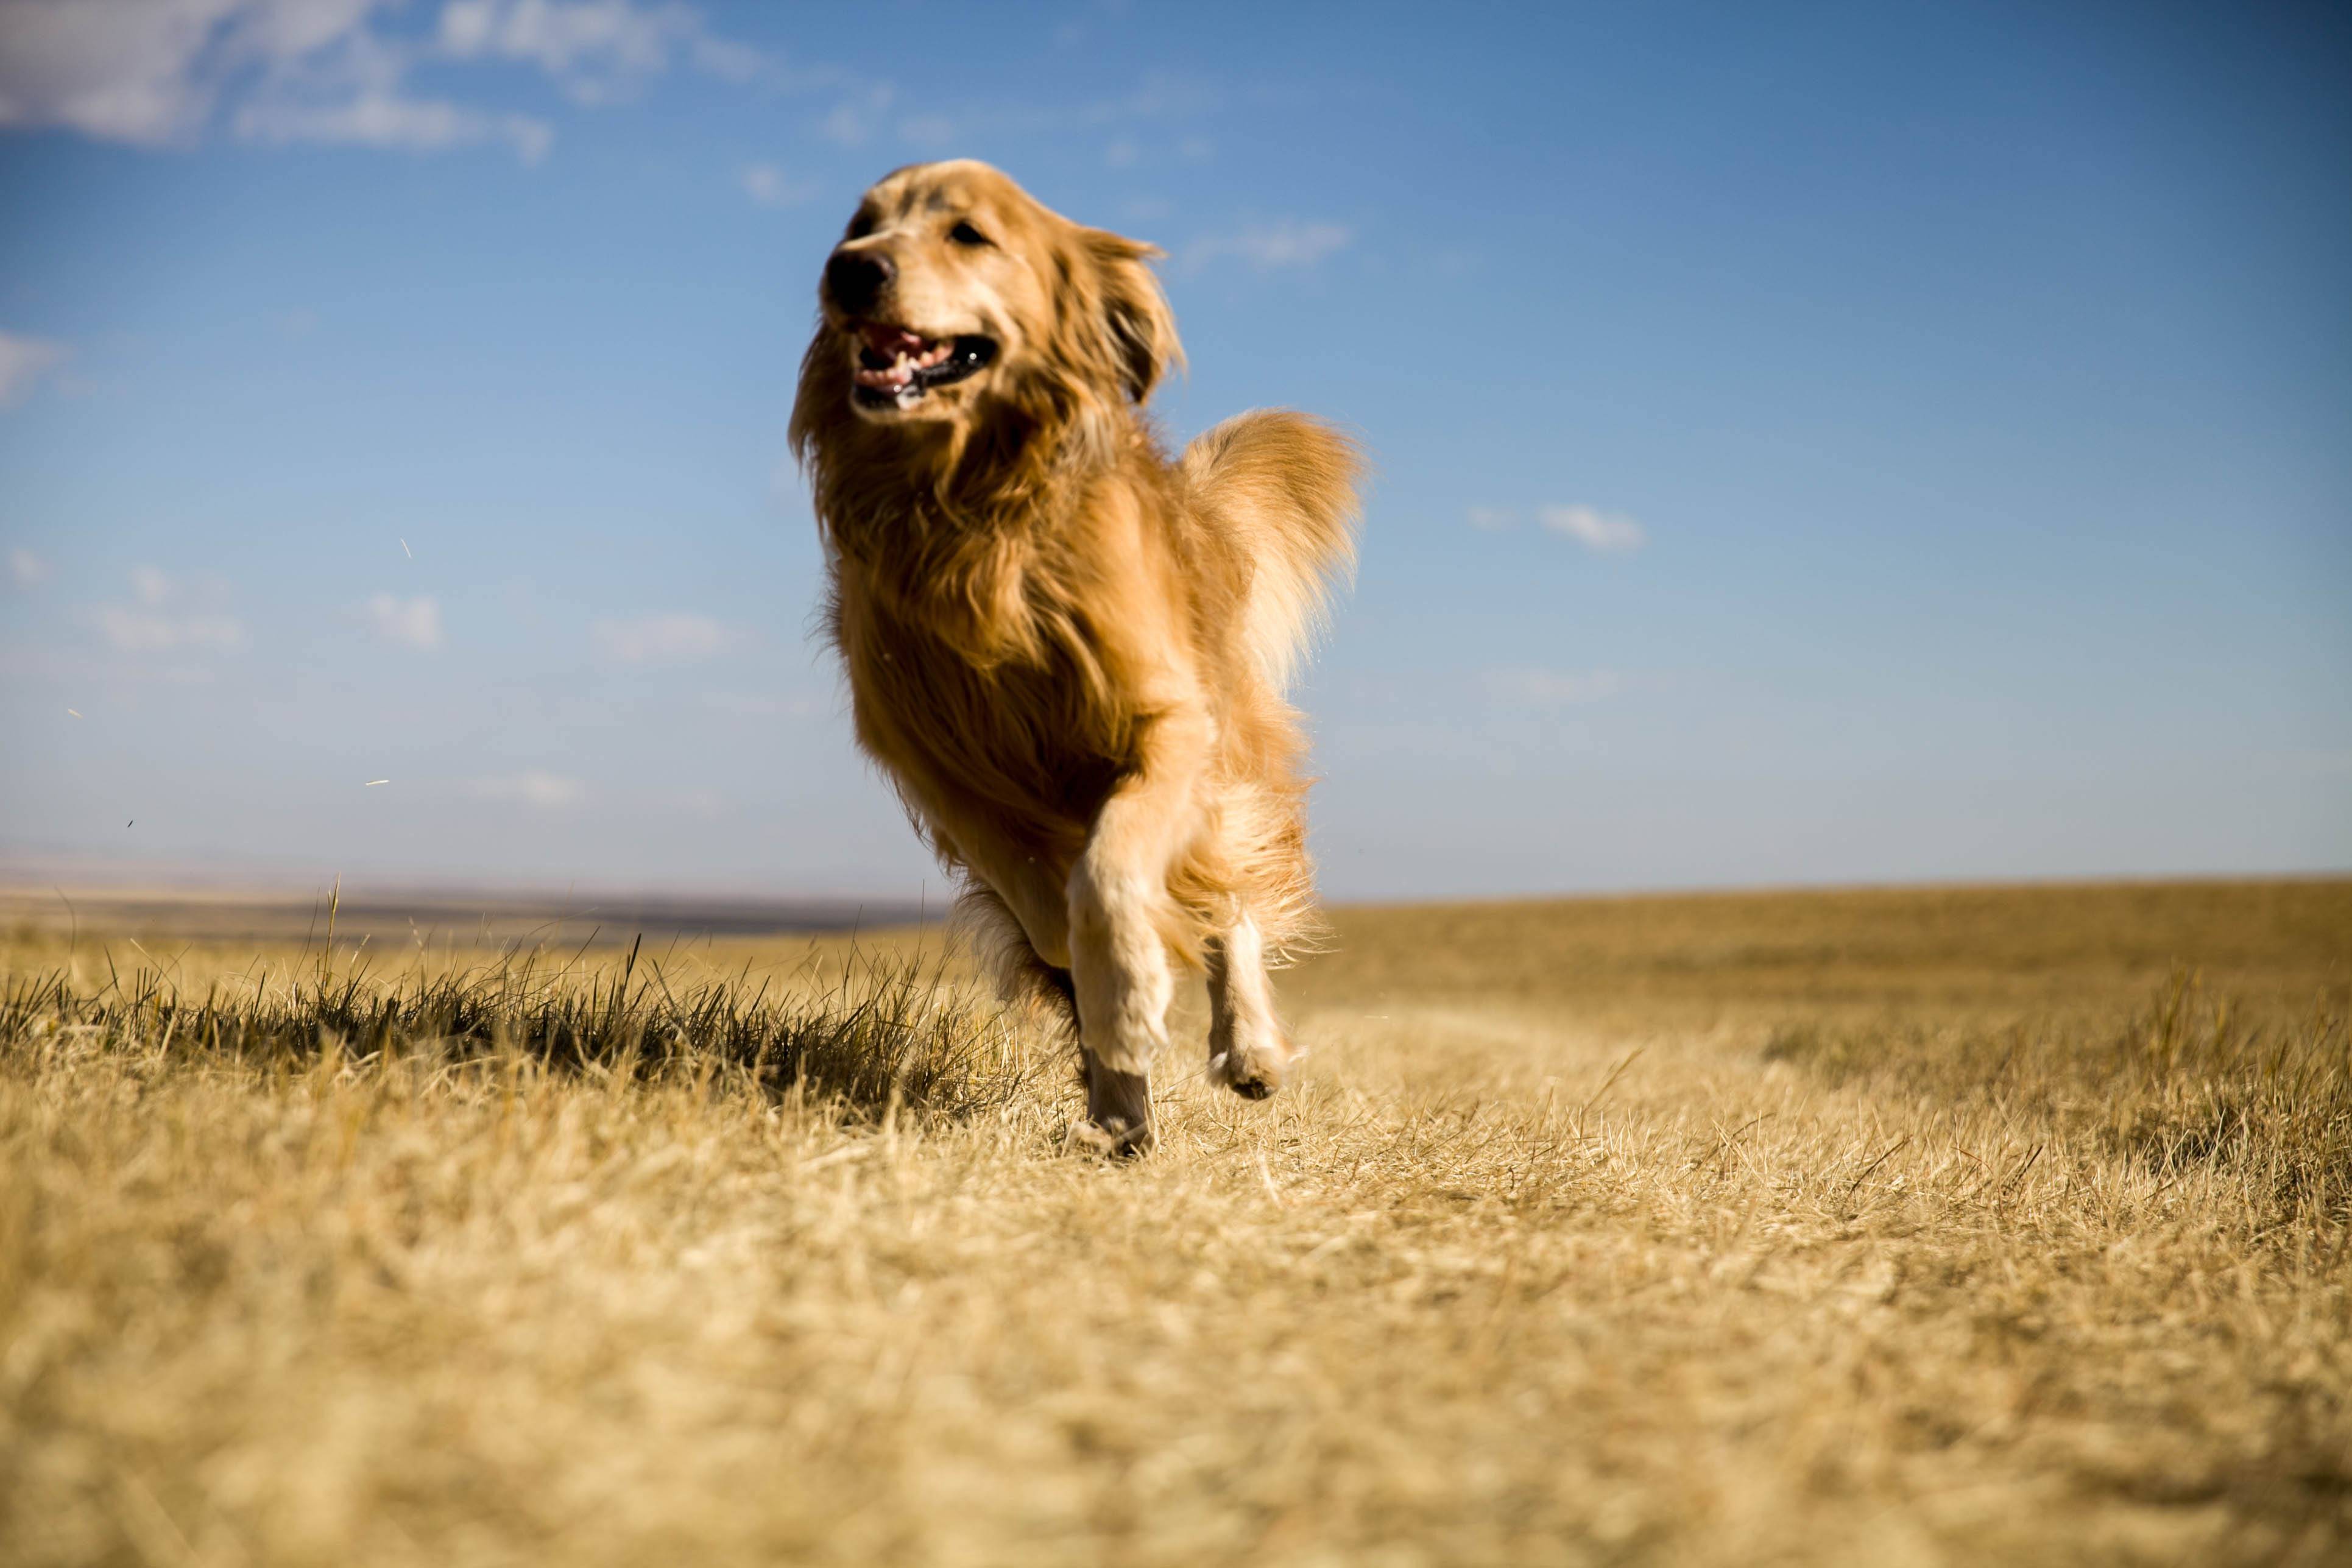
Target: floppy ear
1139	330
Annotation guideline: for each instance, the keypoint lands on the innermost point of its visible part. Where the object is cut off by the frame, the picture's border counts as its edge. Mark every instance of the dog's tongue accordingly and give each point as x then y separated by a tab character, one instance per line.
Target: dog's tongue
892	341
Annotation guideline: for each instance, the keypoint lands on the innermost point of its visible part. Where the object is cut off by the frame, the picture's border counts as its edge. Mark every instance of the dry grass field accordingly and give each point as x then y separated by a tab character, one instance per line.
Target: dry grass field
1874	1228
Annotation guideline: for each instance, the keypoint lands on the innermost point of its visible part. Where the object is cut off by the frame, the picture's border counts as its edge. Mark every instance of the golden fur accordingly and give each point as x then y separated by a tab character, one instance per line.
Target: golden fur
1067	651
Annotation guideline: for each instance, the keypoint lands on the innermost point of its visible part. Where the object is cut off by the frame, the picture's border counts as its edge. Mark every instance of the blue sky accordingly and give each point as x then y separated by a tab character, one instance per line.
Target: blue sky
1816	443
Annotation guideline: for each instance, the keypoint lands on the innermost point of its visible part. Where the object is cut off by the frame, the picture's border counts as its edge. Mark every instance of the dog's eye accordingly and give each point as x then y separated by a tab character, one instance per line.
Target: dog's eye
965	234
861	226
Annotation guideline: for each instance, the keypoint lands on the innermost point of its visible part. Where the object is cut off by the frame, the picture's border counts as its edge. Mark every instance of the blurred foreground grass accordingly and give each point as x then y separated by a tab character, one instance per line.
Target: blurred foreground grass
1938	1226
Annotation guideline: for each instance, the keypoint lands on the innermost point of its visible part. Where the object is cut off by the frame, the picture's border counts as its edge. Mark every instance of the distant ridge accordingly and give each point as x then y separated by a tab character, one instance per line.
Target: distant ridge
436	915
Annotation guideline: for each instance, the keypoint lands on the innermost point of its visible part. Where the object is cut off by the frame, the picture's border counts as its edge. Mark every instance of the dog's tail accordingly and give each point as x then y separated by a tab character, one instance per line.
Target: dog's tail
1286	486
1022	979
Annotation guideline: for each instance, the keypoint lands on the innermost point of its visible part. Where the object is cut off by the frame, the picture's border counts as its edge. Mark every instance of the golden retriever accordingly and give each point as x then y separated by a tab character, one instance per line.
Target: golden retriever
1068	650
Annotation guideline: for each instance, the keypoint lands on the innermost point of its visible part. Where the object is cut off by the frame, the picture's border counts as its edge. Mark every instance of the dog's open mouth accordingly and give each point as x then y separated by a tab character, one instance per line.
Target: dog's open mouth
896	367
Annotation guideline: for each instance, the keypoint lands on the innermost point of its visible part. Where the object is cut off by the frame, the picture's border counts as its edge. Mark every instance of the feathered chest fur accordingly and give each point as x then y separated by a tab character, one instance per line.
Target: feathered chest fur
978	680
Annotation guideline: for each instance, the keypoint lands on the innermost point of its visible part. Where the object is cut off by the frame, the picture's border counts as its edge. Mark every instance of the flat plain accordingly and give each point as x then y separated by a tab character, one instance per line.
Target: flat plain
1933	1226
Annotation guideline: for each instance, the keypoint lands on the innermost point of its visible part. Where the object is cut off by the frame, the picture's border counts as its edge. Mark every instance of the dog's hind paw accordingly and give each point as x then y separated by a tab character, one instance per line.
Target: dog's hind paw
1248	1079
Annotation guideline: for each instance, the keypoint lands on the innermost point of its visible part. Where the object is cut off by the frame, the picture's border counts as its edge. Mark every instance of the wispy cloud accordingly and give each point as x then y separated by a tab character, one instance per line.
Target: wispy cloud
352	90
387	122
321	71
139	631
153	625
770	187
533	787
23	362
1265	247
1606	532
1529	687
146	74
25	569
414	623
597	51
853	121
661	639
152	74
1609	532
1159	100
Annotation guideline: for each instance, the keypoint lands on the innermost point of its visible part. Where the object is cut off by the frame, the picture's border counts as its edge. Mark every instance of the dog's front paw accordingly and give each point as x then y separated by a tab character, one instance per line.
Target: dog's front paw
1117	1141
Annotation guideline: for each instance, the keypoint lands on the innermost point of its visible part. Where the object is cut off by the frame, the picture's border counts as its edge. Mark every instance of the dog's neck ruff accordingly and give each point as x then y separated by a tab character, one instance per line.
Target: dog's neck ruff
970	538
1016	472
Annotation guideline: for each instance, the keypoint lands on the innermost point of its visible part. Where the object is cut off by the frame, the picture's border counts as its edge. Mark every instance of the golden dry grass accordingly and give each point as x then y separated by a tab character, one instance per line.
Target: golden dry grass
1936	1226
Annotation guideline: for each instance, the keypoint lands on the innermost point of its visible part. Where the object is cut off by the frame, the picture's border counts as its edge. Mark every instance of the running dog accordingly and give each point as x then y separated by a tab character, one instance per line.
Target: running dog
1067	649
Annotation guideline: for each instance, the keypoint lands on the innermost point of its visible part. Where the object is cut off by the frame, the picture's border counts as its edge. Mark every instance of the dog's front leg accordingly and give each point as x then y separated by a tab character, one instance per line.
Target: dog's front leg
1118	902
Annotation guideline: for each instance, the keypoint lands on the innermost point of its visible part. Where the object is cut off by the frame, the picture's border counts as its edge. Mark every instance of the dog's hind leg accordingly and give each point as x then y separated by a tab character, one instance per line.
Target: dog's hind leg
1249	1051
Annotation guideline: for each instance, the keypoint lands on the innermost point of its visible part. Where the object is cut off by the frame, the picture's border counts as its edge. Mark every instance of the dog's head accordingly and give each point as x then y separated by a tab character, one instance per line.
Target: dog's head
952	286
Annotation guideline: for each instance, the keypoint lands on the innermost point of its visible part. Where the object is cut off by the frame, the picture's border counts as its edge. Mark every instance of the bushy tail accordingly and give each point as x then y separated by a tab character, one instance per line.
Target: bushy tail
1286	485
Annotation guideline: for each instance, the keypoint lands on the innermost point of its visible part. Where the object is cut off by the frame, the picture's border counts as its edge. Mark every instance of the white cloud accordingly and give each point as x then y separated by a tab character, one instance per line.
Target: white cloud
1609	532
391	122
139	631
533	787
25	569
151	72
1491	518
23	362
740	63
1122	154
844	126
415	622
852	121
148	73
770	187
355	95
661	639
1550	688
1268	246
859	115
598	51
564	36
150	629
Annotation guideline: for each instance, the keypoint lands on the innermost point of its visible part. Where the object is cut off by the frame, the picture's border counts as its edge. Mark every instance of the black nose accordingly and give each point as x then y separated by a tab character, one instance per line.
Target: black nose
856	279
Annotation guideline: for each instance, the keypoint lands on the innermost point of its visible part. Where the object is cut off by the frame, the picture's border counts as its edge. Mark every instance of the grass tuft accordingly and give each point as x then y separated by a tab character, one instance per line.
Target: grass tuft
889	1031
2185	1082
